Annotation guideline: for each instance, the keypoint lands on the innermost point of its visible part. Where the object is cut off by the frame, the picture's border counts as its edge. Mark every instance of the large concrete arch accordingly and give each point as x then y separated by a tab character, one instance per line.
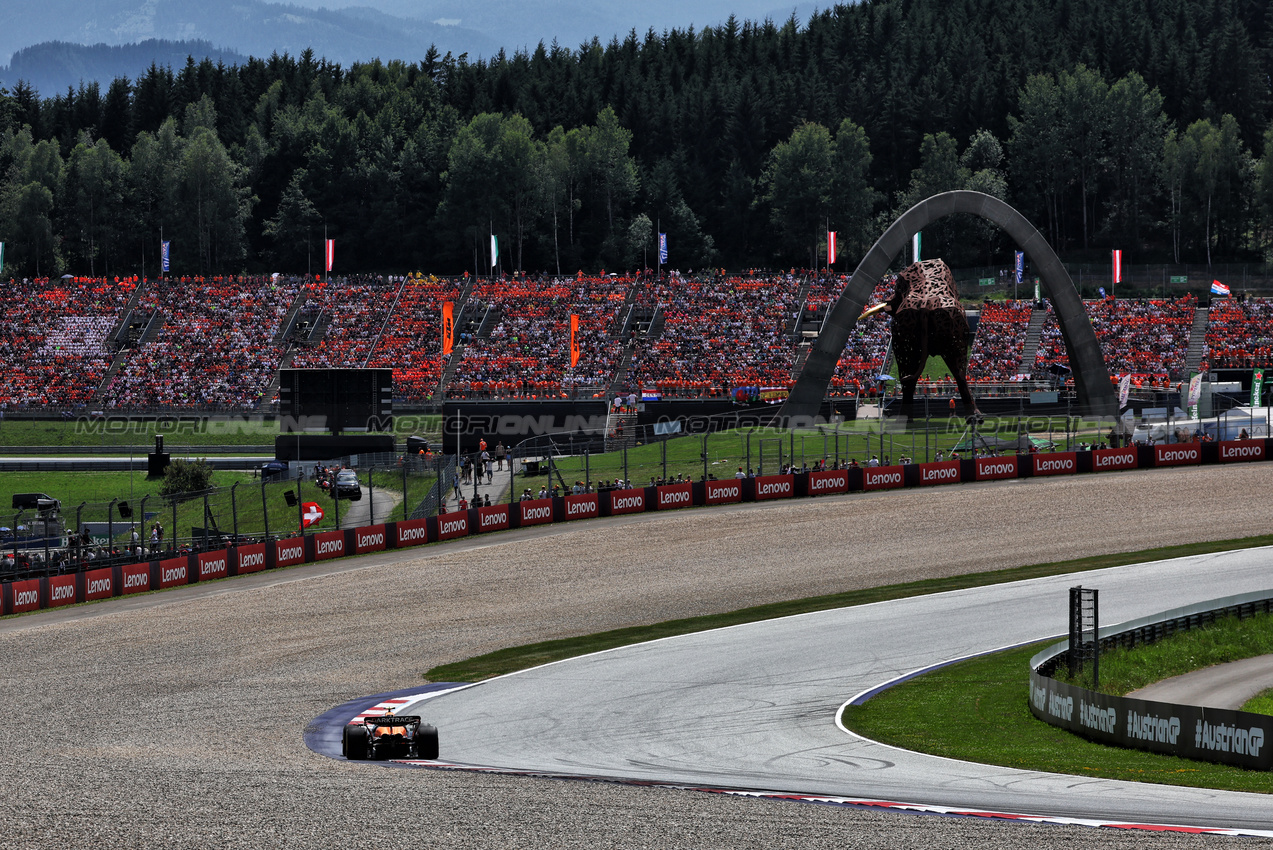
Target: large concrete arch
1091	379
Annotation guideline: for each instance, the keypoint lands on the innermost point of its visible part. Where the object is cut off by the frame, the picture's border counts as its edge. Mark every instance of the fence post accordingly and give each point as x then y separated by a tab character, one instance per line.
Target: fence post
405	500
265	511
371	496
234	511
110	528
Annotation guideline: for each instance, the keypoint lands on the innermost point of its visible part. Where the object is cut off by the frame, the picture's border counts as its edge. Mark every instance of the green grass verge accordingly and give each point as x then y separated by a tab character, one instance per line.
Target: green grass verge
1124	670
989	696
521	657
1261	703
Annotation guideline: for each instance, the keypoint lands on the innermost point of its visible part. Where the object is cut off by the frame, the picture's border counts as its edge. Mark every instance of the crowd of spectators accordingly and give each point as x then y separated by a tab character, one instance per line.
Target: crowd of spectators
215	346
1147	339
411	342
1240	333
356	308
53	338
999	343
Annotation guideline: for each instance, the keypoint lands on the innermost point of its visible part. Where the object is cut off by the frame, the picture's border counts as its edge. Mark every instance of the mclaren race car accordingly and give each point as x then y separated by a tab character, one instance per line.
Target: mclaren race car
389	736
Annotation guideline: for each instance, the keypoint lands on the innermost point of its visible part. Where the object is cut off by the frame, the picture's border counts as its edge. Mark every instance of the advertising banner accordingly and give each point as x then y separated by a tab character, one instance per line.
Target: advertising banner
61	590
946	472
627	501
289	552
535	511
134	578
829	481
369	538
723	492
453	525
411	532
100	584
881	477
1055	463
1105	460
1177	454
997	468
214	565
1240	450
494	518
329	544
25	596
775	487
249	559
583	506
674	496
174	572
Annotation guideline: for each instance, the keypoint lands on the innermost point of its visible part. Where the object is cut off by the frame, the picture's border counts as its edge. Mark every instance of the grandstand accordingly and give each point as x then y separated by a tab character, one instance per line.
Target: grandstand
199	344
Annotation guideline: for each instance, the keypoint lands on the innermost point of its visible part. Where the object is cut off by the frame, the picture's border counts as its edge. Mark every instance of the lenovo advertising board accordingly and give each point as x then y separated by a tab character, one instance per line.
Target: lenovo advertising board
1234	451
174	572
451	526
100	584
627	501
828	481
672	496
583	506
134	578
881	477
411	533
723	492
997	468
24	596
494	518
775	487
61	590
329	544
369	538
535	511
249	559
1107	460
1177	454
214	565
289	552
1055	463
946	472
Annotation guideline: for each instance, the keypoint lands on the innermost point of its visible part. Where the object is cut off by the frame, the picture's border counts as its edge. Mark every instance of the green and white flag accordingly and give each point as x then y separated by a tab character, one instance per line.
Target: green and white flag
1257	383
494	250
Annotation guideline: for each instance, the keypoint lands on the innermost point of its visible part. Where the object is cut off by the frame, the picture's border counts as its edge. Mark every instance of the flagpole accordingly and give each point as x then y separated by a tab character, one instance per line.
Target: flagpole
327	275
658	253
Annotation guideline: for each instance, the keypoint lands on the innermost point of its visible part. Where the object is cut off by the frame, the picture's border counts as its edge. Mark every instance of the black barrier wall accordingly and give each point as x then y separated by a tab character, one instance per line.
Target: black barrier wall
1239	738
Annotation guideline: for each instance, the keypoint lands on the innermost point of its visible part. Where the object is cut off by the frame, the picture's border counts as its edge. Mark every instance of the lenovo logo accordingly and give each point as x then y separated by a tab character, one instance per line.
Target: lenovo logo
945	473
62	591
330	547
99	585
291	552
1062	465
377	539
582	508
773	488
1228	452
256	559
406	535
26	597
498	518
1119	460
174	574
1168	455
673	497
876	478
209	567
541	512
453	526
137	580
629	502
830	482
991	469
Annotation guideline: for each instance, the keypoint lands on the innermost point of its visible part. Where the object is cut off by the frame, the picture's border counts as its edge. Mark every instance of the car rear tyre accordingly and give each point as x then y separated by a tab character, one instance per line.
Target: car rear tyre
355	743
426	742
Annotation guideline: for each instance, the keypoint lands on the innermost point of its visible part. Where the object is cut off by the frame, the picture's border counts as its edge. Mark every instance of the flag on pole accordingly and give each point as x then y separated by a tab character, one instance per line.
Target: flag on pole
1	257
1124	389
662	248
448	326
163	255
1257	387
331	253
1020	266
574	340
1195	393
494	250
311	513
830	247
1218	288
1118	266
915	252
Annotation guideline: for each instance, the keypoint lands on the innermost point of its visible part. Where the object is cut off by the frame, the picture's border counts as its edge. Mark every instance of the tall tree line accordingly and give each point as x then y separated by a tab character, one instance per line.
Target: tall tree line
1139	124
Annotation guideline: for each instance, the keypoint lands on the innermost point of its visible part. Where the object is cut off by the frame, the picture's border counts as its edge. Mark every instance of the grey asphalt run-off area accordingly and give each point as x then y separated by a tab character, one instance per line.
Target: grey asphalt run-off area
179	718
1219	686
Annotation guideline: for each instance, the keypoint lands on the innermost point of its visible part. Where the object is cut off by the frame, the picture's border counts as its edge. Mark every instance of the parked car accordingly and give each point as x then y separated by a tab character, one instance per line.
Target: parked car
347	486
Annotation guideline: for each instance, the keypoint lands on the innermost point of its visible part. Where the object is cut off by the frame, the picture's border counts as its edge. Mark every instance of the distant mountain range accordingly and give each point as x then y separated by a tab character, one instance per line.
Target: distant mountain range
54	44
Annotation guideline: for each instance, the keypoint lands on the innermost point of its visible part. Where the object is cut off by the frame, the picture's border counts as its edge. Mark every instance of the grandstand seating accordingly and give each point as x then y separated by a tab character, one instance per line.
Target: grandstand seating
1144	338
999	343
1239	333
411	342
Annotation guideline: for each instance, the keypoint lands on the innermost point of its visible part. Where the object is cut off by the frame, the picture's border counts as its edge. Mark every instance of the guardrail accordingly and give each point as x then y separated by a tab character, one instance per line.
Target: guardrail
1239	738
138	451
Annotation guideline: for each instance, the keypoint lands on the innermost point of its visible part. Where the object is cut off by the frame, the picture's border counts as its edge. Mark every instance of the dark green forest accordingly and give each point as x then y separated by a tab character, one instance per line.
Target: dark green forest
1136	124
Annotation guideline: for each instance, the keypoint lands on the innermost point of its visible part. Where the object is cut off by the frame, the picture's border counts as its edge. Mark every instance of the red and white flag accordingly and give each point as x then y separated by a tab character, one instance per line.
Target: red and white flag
1118	266
311	513
830	247
331	253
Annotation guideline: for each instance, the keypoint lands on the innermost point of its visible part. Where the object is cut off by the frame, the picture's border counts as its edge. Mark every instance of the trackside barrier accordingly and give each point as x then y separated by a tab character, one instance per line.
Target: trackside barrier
25	595
1239	738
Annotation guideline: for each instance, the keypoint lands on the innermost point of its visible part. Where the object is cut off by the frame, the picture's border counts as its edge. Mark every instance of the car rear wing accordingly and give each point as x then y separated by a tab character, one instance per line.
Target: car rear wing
394	720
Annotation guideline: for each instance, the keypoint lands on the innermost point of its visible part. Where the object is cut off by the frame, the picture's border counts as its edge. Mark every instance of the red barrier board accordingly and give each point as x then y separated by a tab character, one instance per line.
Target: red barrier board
1177	454
329	544
135	578
61	591
100	584
775	487
412	533
289	552
583	506
1240	450
174	572
535	511
830	481
214	565
627	501
494	518
996	468
881	477
1055	463
1104	460
453	525
946	472
673	496
723	492
26	595
249	559
369	538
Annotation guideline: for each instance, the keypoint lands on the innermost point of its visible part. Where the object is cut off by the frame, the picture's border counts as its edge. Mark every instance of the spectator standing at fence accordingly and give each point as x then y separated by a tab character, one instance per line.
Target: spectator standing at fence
500	453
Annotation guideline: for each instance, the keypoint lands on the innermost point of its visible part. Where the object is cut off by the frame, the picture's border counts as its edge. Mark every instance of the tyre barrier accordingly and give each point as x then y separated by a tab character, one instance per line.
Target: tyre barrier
21	596
1239	738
